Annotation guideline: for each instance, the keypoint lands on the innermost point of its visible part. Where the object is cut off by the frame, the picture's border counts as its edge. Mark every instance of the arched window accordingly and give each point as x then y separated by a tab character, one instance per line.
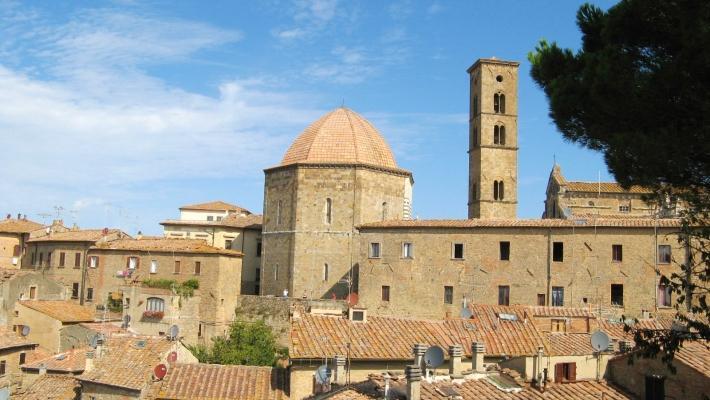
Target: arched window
276	272
495	190
474	137
328	211
496	134
155	304
278	213
384	210
325	272
496	103
502	135
501	190
475	105
502	104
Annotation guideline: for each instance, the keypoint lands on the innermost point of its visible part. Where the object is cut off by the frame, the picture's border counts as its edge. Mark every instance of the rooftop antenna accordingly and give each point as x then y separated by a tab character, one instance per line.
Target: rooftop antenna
600	342
58	210
44	217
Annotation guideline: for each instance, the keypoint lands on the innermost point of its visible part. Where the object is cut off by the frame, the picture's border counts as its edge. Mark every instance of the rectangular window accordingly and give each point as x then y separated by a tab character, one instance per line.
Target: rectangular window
541	299
457	251
219	218
407	250
558	296
624	209
176	269
617	295
258	249
23	358
41	259
154	266
75	290
565	372
278	213
374	250
198	267
616	253
210	218
93	261
3	364
558	251
77	260
504	251
655	387
664	295
276	272
559	325
258	276
33	292
49	259
62	259
448	295
664	254
325	272
90	294
34	258
504	295
385	293
132	262
228	244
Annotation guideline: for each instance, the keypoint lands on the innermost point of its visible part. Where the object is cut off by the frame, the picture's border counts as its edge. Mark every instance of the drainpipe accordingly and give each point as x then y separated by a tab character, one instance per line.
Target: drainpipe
549	267
83	278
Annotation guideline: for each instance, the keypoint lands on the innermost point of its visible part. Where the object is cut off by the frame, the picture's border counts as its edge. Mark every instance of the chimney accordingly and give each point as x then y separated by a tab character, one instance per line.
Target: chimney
340	378
455	366
538	366
139	236
19	216
89	361
413	373
419	349
624	346
478	350
42	369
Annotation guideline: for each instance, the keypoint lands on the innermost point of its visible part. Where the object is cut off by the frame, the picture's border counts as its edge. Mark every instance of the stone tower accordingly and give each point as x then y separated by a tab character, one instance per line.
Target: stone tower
339	173
493	139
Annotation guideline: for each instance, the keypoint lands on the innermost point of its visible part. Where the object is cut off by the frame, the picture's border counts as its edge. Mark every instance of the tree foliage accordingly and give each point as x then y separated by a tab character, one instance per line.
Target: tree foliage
639	92
247	343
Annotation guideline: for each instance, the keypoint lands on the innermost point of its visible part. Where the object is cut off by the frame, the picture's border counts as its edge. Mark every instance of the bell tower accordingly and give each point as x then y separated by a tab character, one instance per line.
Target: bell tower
493	139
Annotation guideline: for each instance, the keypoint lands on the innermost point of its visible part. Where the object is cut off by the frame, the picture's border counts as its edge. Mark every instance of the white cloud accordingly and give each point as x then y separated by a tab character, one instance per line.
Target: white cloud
309	18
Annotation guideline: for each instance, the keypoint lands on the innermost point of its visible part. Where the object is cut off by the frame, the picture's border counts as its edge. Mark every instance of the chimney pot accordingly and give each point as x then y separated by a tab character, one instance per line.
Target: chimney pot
478	351
89	361
455	354
340	373
413	373
419	349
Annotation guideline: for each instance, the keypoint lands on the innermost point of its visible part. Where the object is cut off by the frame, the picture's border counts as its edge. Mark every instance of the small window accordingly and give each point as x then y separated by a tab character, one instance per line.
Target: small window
33	292
89	294
210	218
505	251
457	250
624	209
176	268
276	272
565	372
475	105
474	137
132	262
93	261
325	272
496	134
541	299
75	290
219	218
199	330
616	253
503	295
328	211
41	259
407	250
385	293
617	295
374	250
62	259
198	267
655	386
558	296
278	213
155	304
77	260
499	78
228	244
502	135
664	295
502	104
23	357
559	325
258	249
664	254
558	251
3	365
154	266
496	103
384	211
257	278
498	190
448	295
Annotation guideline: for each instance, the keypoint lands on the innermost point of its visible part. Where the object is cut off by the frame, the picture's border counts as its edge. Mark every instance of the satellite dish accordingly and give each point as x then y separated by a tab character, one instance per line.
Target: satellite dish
173	332
160	370
434	356
94	341
172	357
323	374
600	341
25	330
466	313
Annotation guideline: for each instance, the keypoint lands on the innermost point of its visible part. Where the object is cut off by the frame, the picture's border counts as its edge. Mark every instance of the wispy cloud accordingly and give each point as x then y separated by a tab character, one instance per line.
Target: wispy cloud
309	18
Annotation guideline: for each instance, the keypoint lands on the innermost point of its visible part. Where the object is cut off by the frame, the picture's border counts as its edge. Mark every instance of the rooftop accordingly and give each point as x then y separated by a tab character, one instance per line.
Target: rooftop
78	235
341	136
62	310
70	361
50	387
171	245
218	205
525	223
250	221
209	381
10	339
11	225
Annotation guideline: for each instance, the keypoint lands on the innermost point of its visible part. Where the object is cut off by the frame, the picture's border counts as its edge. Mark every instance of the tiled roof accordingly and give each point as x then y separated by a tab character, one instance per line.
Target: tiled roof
218	205
615	329
18	226
251	221
70	361
341	136
169	245
389	338
569	344
62	310
78	235
126	363
603	187
224	382
105	328
547	311
525	223
695	354
50	387
11	340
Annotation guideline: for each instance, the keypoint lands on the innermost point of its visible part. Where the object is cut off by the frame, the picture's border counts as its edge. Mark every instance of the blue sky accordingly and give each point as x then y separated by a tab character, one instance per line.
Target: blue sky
119	112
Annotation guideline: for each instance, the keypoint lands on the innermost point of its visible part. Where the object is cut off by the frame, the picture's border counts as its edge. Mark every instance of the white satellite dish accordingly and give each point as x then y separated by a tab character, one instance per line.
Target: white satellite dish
466	313
434	356
25	330
173	332
323	374
600	341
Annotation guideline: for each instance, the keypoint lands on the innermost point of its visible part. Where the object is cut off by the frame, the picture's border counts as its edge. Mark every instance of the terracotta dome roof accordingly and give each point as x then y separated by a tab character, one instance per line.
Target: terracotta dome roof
341	136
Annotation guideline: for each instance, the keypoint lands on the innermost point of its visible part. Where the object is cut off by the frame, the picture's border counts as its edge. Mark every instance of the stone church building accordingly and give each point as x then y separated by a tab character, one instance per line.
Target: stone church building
337	224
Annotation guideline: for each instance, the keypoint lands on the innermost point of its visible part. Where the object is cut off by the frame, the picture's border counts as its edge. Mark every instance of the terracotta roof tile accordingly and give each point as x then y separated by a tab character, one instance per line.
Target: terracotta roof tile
71	361
50	387
62	310
524	223
126	363
696	355
604	187
77	235
218	205
171	245
224	382
10	339
251	221
569	344
547	311
19	226
341	136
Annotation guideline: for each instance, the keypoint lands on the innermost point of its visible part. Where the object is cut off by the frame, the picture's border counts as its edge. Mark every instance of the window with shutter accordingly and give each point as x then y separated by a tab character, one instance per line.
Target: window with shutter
77	260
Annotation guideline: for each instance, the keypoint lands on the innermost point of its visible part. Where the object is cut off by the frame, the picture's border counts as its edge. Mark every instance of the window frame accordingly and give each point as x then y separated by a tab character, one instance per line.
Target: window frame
153	266
558	296
90	294
617	253
77	260
407	250
614	287
177	267
93	261
155	304
62	259
504	250
375	246
662	255
385	293
503	295
198	268
558	255
75	290
448	294
453	251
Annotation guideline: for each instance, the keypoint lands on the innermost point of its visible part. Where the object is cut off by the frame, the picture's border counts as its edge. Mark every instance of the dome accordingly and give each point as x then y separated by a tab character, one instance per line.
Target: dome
344	137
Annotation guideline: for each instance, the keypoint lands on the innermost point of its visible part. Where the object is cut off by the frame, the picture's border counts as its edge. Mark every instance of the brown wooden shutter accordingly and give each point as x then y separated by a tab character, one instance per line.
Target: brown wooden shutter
128	262
572	372
559	372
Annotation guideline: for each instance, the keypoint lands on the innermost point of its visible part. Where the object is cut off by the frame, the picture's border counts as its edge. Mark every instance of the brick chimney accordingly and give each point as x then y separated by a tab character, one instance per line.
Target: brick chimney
419	349
478	350
455	365
340	372
42	369
413	373
89	361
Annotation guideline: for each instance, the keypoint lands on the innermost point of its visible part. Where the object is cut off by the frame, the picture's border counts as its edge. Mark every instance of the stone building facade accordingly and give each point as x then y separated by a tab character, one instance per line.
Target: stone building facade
14	234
